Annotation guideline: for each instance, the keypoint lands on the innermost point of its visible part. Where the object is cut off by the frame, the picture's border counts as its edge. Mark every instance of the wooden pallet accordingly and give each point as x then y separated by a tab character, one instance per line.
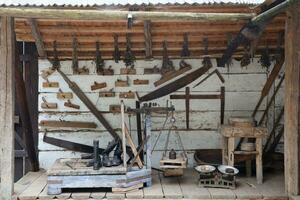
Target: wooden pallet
73	173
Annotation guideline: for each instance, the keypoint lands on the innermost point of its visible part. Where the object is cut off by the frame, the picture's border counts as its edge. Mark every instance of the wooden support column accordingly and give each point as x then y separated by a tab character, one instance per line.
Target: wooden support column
148	39
37	37
7	63
291	114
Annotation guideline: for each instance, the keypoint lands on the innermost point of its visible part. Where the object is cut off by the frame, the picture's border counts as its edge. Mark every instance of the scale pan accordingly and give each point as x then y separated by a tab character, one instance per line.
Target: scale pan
205	168
225	169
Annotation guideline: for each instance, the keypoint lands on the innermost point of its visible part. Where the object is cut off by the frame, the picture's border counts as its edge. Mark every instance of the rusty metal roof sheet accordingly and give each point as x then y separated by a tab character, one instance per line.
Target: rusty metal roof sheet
95	3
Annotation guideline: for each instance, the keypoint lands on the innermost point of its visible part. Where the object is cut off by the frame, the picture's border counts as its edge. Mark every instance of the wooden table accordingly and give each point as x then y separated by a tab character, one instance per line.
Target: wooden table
230	133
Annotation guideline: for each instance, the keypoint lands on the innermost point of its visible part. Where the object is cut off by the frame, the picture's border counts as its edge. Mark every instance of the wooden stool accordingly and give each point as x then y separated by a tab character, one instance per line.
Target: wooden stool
230	133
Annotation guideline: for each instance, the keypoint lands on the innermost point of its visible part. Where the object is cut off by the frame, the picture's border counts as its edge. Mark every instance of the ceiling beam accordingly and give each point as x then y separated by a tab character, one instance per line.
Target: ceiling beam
84	14
37	37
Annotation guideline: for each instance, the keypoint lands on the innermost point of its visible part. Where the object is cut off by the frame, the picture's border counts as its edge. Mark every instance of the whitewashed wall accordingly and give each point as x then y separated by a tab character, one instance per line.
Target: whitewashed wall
243	87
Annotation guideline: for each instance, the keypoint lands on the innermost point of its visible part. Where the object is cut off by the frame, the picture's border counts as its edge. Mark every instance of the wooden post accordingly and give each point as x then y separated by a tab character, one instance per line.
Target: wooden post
187	107
7	63
291	114
123	134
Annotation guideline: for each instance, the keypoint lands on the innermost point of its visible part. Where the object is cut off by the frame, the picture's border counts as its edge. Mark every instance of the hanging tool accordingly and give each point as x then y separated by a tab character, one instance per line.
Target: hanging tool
167	64
185	52
75	65
129	58
97	86
71	105
206	60
47	105
117	53
98	60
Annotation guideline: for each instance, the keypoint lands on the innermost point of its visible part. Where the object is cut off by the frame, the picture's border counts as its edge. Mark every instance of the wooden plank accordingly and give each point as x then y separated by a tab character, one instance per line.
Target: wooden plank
189	186
25	182
171	187
98	195
246	190
45	196
72	124
7	101
110	195
148	39
155	191
137	194
221	193
291	108
35	188
80	195
37	37
127	189
113	14
251	132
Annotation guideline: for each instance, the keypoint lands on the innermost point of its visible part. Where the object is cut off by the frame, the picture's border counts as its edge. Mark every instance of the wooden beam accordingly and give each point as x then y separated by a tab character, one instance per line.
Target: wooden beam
7	108
37	37
148	39
47	13
21	100
291	113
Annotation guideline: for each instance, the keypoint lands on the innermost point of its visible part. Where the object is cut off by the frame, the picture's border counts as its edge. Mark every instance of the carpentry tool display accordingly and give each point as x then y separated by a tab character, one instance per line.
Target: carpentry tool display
75	88
222	177
175	85
189	96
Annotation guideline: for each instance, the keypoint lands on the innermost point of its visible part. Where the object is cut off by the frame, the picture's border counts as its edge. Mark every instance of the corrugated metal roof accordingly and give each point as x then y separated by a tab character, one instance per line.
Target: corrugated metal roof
118	2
